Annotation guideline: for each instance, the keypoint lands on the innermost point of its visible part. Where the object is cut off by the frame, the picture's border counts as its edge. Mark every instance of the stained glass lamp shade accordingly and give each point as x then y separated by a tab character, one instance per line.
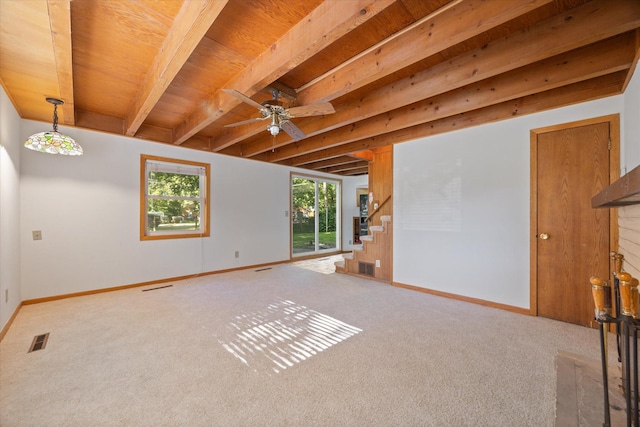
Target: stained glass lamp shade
53	142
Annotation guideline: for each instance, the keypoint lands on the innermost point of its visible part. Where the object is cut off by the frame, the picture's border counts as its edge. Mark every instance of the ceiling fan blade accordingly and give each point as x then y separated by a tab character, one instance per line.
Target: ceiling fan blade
244	98
294	131
312	110
245	122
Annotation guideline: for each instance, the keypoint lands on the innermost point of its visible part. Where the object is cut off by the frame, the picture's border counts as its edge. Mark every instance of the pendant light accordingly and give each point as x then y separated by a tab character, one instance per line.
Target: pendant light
54	142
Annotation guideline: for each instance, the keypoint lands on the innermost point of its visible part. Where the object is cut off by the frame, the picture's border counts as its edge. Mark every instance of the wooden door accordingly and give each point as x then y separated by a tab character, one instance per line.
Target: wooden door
572	239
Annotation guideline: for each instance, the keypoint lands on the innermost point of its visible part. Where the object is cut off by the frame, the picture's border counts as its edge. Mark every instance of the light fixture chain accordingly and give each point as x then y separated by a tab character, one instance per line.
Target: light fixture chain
55	117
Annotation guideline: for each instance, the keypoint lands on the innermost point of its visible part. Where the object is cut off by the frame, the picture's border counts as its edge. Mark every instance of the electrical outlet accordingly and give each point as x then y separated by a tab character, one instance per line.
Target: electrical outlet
6	296
378	263
237	254
286	214
37	235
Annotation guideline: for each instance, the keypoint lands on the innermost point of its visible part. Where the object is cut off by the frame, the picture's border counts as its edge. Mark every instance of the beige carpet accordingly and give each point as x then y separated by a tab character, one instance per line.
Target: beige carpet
281	346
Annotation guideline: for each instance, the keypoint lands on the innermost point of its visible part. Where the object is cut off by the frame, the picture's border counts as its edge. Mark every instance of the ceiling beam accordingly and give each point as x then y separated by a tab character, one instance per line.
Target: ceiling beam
452	24
359	171
189	27
584	91
605	57
326	24
584	25
337	161
365	154
99	122
447	26
635	62
60	22
343	168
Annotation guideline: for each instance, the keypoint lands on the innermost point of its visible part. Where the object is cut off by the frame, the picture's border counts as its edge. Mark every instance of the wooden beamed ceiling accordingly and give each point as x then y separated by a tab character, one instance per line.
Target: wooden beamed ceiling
394	70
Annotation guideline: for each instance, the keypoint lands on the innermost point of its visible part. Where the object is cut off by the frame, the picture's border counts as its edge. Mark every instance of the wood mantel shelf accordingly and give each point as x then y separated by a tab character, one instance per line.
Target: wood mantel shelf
625	191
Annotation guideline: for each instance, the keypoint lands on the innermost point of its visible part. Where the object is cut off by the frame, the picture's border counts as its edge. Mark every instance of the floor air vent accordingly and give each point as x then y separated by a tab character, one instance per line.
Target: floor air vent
263	269
366	268
39	342
159	287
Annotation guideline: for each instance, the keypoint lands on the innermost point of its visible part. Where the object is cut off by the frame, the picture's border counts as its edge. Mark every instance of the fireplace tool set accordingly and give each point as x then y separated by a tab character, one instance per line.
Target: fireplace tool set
626	316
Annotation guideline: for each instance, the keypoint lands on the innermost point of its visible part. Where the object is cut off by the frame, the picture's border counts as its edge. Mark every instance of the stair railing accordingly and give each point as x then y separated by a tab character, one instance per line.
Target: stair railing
379	207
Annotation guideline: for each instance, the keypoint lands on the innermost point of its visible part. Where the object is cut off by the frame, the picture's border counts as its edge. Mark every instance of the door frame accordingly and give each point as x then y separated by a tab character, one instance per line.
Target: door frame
614	174
315	254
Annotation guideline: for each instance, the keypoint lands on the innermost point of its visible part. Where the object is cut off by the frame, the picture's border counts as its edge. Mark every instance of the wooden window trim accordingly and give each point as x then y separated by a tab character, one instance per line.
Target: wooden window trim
205	215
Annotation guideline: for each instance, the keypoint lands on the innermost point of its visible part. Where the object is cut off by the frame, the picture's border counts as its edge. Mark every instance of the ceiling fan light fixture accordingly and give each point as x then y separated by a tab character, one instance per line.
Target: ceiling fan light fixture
279	115
273	129
54	142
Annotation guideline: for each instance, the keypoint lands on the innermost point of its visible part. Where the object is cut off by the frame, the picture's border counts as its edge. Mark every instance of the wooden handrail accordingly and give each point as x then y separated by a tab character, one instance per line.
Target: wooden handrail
379	207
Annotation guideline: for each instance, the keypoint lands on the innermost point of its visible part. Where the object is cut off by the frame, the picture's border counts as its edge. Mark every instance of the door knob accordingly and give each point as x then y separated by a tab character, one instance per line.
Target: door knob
544	236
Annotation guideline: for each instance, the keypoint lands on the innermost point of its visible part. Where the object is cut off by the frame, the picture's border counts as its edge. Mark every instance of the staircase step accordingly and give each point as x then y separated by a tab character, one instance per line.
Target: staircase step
376	244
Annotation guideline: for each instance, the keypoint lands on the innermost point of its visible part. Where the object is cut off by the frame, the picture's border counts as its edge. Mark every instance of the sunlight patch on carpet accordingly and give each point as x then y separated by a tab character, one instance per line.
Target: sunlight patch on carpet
283	335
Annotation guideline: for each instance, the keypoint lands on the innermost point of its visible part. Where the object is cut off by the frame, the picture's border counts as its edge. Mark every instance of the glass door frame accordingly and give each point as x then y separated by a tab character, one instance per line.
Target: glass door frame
317	179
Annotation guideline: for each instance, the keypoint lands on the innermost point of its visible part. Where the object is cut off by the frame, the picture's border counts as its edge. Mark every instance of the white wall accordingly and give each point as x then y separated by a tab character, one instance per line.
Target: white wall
10	149
631	125
87	208
628	216
461	206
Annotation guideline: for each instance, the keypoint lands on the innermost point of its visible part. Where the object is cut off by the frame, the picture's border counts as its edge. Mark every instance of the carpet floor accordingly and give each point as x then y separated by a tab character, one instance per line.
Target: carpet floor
281	346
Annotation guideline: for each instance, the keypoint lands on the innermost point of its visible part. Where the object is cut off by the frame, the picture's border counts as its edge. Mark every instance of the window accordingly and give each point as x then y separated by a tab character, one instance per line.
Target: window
174	198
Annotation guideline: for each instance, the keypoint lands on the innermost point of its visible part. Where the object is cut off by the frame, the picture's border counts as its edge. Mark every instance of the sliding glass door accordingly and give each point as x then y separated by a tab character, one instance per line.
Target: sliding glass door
315	218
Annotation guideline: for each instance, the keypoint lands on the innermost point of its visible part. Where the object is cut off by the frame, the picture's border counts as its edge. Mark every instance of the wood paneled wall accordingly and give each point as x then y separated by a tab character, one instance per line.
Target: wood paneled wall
629	243
381	181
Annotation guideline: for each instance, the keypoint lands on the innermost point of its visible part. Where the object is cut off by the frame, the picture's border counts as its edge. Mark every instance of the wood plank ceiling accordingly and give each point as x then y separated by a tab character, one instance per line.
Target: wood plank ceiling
394	70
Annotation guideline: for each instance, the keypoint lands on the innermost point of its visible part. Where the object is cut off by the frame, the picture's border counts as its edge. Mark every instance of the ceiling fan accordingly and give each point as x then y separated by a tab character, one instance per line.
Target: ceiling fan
281	117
